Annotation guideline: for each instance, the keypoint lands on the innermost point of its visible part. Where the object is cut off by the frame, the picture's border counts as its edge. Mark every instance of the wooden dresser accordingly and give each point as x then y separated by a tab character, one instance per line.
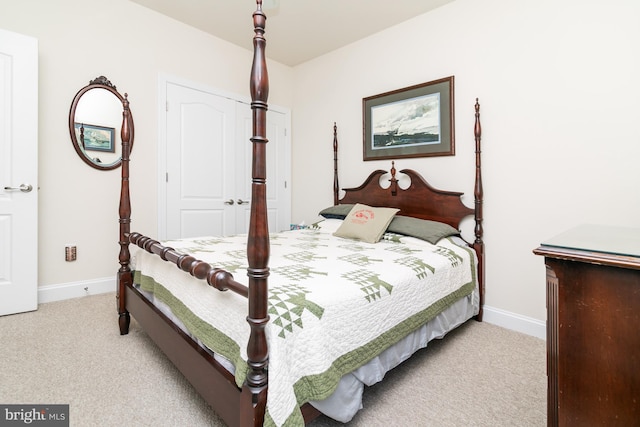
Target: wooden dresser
593	326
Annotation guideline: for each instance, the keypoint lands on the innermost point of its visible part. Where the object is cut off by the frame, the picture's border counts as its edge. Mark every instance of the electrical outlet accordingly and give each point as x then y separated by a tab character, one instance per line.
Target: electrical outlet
70	253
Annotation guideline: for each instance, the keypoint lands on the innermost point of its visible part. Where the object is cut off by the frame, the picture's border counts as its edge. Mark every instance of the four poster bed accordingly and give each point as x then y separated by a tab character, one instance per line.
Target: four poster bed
329	308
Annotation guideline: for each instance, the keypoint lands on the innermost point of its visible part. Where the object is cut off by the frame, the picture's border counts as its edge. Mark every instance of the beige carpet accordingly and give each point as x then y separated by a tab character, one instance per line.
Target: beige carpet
70	352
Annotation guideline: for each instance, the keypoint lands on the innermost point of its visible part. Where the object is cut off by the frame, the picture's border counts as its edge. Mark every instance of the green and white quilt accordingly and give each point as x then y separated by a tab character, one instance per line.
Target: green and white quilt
334	303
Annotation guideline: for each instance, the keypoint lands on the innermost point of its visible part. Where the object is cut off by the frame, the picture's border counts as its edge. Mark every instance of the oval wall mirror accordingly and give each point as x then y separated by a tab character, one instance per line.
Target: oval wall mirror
95	122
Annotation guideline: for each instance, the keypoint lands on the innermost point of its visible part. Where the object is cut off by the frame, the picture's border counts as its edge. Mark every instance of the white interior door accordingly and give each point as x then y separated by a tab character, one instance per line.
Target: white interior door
18	173
278	169
216	131
200	195
242	175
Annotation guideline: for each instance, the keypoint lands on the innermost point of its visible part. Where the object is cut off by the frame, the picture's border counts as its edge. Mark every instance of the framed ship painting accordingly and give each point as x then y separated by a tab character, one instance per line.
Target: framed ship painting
415	121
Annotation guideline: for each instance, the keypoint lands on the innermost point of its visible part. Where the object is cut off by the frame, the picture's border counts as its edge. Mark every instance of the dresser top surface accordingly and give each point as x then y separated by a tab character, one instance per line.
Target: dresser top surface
623	241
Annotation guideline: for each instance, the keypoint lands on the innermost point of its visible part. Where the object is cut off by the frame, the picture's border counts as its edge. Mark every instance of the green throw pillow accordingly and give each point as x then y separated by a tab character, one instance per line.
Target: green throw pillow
424	229
337	211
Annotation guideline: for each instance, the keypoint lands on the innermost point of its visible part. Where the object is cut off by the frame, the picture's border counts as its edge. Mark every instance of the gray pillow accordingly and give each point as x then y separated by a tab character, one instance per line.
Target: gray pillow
337	211
423	229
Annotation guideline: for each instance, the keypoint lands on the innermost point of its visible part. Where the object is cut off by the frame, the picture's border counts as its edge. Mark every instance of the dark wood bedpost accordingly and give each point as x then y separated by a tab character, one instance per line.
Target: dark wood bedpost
124	273
254	395
336	186
478	244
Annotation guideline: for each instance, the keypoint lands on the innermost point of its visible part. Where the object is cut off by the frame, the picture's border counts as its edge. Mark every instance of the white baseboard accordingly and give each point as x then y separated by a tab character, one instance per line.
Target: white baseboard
51	293
515	322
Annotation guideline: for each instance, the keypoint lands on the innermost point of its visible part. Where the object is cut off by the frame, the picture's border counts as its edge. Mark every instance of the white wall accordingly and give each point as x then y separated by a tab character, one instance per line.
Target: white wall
560	101
83	39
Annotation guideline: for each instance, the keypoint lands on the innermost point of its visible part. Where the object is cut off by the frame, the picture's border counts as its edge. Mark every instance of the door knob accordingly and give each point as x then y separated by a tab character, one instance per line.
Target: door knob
25	188
229	202
243	202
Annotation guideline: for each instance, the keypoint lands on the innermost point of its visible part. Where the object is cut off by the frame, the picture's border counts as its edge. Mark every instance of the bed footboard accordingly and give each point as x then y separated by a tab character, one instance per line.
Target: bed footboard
216	277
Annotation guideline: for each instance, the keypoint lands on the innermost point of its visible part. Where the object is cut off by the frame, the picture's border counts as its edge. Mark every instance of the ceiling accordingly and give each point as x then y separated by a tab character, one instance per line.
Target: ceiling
297	30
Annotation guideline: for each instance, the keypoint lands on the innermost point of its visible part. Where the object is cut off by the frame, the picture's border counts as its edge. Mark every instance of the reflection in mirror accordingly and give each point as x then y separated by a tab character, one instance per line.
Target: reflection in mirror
95	123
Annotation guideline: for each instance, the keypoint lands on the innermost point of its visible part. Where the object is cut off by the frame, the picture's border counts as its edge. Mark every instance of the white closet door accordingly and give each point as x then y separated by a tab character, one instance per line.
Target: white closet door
278	169
206	189
278	172
200	161
244	154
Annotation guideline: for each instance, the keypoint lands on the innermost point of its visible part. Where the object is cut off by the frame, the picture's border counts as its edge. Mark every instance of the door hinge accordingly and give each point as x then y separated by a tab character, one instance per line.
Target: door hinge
166	106
166	177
